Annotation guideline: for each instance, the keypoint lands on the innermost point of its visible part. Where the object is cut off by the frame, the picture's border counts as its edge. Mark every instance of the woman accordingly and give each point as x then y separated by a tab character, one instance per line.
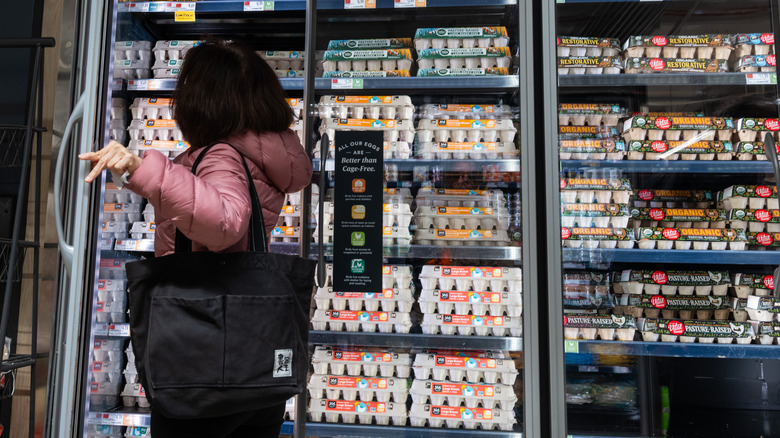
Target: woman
225	94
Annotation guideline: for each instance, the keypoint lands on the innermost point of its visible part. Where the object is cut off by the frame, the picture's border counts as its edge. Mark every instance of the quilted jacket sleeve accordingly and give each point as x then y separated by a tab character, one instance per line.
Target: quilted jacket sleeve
212	208
285	163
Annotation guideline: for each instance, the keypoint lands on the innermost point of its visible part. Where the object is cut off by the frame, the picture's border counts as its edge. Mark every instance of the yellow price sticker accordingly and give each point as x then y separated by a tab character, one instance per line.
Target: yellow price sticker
184	16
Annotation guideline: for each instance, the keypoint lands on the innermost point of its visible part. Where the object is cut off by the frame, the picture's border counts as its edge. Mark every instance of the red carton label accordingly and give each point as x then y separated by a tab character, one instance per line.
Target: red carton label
763	215
671	234
769	282
660	41
764	239
657	64
663	123
565	233
763	191
656	214
660	277
356	382
461	413
772	124
767	38
462	389
646	195
658	301
676	327
657	146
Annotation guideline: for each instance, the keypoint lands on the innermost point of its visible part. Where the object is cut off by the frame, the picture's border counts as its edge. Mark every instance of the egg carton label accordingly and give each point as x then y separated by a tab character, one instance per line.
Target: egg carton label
386	43
273	54
674	195
753	148
386	294
738	303
367	74
578	233
693	234
356	406
461	412
770	304
362	356
471	272
590	62
679	214
681	147
760	191
283	231
477	52
598	321
454	192
754	38
464	234
615	184
752	124
678	123
461	32
163	145
760	215
459	389
356	382
475	320
395	232
674	302
112	263
160	123
464	124
594	210
758	61
761	328
702	329
289	209
757	281
466	146
472	211
452	296
153	101
464	362
294	102
363	100
114	227
568	132
440	72
366	123
587	278
591	145
347	55
590	303
676	65
487	109
573	41
590	109
676	278
708	40
349	315
120	208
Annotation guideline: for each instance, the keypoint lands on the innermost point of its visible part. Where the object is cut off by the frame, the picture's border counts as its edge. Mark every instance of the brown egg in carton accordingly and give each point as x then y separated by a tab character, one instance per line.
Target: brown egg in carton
768	333
748	196
698	239
709	46
683	283
594	215
589	65
679	217
754	44
669	307
690	331
755	221
598	237
587	46
605	327
665	198
755	129
684	150
760	285
674	65
691	129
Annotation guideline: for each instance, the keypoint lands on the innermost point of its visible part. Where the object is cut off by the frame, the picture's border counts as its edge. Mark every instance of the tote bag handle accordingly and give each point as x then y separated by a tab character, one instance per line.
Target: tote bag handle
257	238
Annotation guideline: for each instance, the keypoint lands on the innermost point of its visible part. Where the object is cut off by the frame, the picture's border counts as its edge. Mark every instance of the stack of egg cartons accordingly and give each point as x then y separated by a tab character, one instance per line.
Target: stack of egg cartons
590	131
752	133
463	389
755	52
169	56
106	372
359	385
133	393
289	224
463	51
132	59
674	136
753	210
677	53
755	303
590	308
384	312
104	431
118	120
286	64
297	124
369	58
591	56
393	115
117	227
594	211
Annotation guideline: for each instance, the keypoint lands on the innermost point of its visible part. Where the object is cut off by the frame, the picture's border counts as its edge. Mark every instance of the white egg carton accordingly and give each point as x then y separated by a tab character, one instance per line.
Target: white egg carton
115	312
364	44
688	331
680	150
443	72
169	148
465	278
679	46
471	58
460	37
118	212
674	128
118	108
760	285
113	296
114	230
107	376
495	396
143	230
475	150
461	218
471	325
155	129
367	60
284	60
662	198
366	74
466	111
595	190
393	276
113	269
461	237
650	65
432	197
684	283
594	215
471	302
466	130
351	388
286	234
170	64
679	217
388	300
117	130
357	361
589	65
361	321
754	129
166	73
107	345
134	394
368	107
490	367
757	63
591	237
754	44
152	108
716	239
148	213
135	69
605	327
354	412
289	73
587	46
108	366
672	306
133	50
120	195
749	196
451	417
764	309
768	333
104	393
172	49
755	220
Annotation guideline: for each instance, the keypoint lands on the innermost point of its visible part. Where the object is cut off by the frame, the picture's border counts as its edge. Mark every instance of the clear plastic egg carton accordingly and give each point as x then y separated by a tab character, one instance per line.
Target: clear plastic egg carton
767	333
367	60
761	44
489	367
155	129
364	362
587	46
591	114
148	213
452	417
142	230
757	63
471	325
604	327
457	218
393	277
114	230
475	150
755	221
595	215
388	300
104	394
764	309
679	217
678	128
135	69
683	283
709	46
118	212
381	389
749	196
361	321
595	190
120	195
357	412
590	65
284	60
286	234
748	284
460	37
496	396
698	239
103	431
133	394
368	107
169	148
466	130
669	307
467	111
144	108
297	106
662	198
680	150
468	278
167	50
432	197
753	129
690	331
471	302
461	237
474	58
117	130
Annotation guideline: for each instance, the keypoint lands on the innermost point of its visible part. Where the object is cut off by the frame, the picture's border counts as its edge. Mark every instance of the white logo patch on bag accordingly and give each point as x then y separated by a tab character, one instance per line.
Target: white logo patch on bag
283	363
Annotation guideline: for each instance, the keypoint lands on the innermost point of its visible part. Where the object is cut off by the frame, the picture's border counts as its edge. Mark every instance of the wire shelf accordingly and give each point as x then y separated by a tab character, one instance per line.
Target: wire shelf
11	146
5	259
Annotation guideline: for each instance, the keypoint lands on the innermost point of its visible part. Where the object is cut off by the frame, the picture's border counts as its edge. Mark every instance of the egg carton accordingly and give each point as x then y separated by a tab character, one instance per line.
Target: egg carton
170	64
461	237
592	149
470	130
752	129
587	278
746	151
115	230
674	65
393	130
105	296
118	212
395	195
688	331
288	221
460	37
677	128
369	107
366	74
284	60
169	148
381	389
589	65
103	430
388	300
104	394
748	196
370	44
680	150
496	396
738	308
120	195
605	327
107	345
594	215
592	114
113	269
432	197
755	221
767	333
585	46
684	283
471	325
166	73
105	317
143	230
471	302
135	69
466	111
361	321
107	376
148	213
172	49
461	218
118	110
465	278
571	132
757	63
691	238
489	367
393	214
452	417
107	366
684	46
133	50
155	129
662	198
138	431
286	234
587	302
474	150
459	72
754	44
152	108
358	361
297	106
393	276
130	373
134	394
674	306
598	190
117	130
679	217
473	58
353	412
764	309
760	285
578	237
362	60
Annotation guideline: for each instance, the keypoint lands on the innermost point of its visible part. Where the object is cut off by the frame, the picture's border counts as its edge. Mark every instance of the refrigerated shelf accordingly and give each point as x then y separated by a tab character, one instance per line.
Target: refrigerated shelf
118	330
671	256
286	5
415	340
420	251
676	166
360	430
669	349
120	417
667	79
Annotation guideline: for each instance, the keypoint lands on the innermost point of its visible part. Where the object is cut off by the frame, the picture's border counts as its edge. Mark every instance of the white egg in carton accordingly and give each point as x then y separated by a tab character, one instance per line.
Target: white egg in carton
586	46
166	50
495	396
595	215
142	230
468	58
467	366
452	417
388	300
114	230
118	212
716	239
471	302
460	37
761	44
352	412
393	277
749	196
755	221
284	60
466	111
152	108
286	234
117	130
368	107
133	50
120	195
356	361
474	150
760	285
134	394
466	278
688	331
135	69
604	327
457	218
169	148
461	237
432	197
351	388
104	393
678	128
753	129
367	60
361	321
155	129
765	309
471	325
466	130
685	283
768	333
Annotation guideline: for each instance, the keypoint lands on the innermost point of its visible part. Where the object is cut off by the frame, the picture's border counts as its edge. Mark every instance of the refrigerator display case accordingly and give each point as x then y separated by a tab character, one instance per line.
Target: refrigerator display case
661	259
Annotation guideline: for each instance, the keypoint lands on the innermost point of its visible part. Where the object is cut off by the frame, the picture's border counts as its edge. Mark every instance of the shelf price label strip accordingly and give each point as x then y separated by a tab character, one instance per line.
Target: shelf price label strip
359	4
409	3
258	6
346	84
760	78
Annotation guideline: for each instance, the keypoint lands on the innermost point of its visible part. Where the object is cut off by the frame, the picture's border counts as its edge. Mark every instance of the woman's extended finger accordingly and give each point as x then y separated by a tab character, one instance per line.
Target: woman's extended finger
96	169
92	156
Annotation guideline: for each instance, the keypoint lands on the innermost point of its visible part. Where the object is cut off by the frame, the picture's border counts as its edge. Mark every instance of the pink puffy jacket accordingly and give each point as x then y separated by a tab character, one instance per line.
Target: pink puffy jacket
213	208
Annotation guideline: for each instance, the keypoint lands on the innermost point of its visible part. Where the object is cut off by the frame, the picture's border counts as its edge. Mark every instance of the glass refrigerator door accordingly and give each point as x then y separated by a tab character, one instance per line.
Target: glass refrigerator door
668	217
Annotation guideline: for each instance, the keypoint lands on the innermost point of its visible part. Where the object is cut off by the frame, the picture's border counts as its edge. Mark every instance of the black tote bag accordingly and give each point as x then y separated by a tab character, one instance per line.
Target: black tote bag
216	334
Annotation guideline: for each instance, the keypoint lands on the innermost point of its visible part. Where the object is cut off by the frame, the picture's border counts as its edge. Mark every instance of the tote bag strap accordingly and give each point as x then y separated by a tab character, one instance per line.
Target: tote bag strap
257	237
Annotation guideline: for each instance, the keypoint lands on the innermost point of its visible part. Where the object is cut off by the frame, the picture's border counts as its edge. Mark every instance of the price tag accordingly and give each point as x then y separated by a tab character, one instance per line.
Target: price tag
101	330
119	330
184	16
571	347
588	369
760	78
157	7
138	7
137	84
346	84
409	4
183	6
123	7
359	4
258	6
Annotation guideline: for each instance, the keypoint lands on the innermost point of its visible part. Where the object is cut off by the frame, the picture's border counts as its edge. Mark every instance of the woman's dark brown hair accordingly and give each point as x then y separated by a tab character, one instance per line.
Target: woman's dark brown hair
224	89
